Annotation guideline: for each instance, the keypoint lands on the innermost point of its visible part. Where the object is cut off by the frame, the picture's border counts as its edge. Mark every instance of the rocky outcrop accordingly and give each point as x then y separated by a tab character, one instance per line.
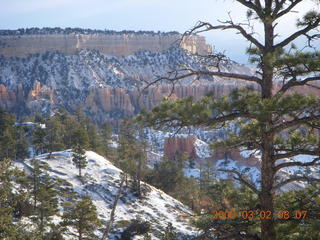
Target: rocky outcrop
118	45
7	98
179	145
40	92
235	154
110	99
129	103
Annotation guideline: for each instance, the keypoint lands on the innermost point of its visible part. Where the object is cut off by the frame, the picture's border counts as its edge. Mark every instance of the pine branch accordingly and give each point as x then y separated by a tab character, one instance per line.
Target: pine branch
309	27
315	162
241	179
293	83
294	123
294	152
294	179
176	122
176	75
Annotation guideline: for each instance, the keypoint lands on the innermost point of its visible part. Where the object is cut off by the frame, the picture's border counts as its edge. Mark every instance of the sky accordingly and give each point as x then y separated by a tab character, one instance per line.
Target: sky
155	15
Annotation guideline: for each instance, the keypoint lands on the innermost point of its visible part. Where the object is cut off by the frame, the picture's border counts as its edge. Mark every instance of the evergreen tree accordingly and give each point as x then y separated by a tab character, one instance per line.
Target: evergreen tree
106	135
13	202
21	144
79	158
47	204
53	139
126	149
38	140
69	125
80	140
35	179
80	137
45	200
132	158
7	135
207	175
95	141
272	119
140	165
82	216
7	228
167	175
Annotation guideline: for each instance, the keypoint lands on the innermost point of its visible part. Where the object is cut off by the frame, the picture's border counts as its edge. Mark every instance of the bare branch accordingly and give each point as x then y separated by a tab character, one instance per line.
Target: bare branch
249	4
277	14
205	27
115	203
241	179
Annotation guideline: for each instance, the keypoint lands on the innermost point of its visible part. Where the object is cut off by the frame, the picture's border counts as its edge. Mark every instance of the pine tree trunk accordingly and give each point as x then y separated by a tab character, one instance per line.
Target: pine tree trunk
80	172
34	189
267	163
267	196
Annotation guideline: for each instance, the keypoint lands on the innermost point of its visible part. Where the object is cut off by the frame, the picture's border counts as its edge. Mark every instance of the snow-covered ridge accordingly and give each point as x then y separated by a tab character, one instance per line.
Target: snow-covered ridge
101	183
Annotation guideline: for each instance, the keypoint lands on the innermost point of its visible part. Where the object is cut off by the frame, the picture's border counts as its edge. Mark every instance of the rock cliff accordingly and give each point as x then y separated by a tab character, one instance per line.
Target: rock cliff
106	87
118	44
180	145
188	144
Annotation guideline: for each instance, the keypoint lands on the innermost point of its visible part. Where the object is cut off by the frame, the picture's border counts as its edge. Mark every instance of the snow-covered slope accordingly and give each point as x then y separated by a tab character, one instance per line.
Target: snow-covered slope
101	183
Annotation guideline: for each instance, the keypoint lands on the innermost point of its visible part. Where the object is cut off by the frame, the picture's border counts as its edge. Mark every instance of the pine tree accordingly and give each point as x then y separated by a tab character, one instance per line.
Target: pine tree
167	175
207	175
140	165
13	202
80	137
38	140
7	135
272	118
106	135
47	204
53	139
82	216
95	141
126	149
21	144
79	158
132	158
35	179
44	193
7	228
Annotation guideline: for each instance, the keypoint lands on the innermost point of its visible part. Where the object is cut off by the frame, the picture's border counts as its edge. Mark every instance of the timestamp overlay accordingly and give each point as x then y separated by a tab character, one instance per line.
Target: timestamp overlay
255	214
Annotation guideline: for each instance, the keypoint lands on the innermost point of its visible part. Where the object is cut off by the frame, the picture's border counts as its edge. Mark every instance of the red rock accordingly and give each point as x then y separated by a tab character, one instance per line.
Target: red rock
180	145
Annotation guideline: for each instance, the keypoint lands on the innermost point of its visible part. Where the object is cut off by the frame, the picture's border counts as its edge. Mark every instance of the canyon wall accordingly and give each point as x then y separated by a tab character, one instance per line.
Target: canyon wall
108	99
180	145
118	45
102	73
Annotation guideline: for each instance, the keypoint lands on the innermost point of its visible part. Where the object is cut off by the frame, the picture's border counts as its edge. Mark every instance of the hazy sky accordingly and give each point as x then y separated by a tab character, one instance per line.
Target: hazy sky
163	15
